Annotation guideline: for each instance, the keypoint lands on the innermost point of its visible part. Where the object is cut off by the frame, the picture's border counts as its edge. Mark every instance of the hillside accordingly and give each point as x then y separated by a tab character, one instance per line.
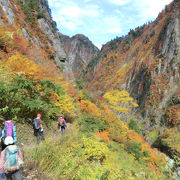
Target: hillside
146	63
34	70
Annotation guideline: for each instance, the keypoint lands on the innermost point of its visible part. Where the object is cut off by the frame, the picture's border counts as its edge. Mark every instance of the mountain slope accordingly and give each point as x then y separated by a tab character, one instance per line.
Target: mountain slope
33	21
146	62
100	145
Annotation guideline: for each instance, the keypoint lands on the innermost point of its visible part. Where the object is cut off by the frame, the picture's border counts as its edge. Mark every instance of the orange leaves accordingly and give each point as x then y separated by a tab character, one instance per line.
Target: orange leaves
104	135
173	114
89	108
21	44
11	39
107	115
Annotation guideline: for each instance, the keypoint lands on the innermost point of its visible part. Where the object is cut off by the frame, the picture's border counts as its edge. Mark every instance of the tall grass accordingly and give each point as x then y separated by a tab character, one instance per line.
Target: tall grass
76	157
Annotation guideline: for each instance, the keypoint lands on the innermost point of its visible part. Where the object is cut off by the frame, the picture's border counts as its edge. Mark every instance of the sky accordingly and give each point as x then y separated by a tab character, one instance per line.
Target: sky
103	20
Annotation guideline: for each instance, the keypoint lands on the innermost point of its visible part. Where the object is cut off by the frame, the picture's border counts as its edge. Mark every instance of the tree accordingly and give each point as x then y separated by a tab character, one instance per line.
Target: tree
119	101
80	84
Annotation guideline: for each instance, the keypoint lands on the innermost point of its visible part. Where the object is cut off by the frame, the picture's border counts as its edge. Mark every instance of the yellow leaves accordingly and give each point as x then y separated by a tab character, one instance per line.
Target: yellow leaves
19	63
5	37
65	103
119	101
135	105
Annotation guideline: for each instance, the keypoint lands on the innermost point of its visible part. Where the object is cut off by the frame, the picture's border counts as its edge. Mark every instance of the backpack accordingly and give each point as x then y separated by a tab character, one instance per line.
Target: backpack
61	122
12	159
35	124
8	129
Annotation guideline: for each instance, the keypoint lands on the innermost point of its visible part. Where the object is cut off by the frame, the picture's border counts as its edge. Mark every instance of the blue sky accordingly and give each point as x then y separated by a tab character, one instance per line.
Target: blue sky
103	20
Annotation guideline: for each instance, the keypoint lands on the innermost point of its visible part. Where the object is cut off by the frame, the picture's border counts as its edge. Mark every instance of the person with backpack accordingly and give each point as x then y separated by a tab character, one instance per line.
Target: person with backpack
11	160
38	128
61	124
2	140
9	129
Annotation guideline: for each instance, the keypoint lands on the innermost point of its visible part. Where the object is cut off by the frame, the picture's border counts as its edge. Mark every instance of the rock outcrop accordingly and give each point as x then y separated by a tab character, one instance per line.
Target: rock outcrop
80	51
12	15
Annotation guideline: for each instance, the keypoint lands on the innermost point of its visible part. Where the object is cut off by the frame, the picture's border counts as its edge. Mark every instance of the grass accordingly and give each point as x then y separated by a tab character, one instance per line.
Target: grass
75	157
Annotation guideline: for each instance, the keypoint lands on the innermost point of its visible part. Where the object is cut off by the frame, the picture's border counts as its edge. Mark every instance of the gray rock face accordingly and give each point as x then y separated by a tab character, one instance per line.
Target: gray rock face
51	33
168	65
80	51
8	11
58	46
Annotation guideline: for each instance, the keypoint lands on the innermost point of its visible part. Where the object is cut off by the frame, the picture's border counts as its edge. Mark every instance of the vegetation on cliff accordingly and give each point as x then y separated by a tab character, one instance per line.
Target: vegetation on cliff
100	145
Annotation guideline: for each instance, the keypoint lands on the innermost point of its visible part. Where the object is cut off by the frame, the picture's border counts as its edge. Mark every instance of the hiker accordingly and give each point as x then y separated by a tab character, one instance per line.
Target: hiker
61	124
38	128
11	160
9	129
1	137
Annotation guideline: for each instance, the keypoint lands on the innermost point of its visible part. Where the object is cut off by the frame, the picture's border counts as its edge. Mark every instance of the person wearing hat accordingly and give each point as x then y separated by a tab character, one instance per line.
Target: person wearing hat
39	129
11	160
61	124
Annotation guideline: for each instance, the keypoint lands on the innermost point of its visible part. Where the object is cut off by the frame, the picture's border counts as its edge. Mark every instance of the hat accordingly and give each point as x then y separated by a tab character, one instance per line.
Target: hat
8	140
39	115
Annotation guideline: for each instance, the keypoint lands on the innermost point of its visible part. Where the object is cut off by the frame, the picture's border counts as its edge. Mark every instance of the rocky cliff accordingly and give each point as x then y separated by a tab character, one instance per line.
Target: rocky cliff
80	52
146	62
33	19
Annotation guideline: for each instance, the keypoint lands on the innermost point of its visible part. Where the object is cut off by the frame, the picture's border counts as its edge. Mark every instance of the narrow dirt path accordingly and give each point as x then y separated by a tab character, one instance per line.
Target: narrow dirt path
27	142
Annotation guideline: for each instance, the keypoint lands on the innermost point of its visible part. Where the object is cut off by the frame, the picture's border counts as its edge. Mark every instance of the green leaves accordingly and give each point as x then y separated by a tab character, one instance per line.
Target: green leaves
24	97
89	124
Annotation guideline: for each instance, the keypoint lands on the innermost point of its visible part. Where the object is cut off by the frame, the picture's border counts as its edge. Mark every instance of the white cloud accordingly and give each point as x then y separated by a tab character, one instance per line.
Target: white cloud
71	16
57	4
103	19
112	25
151	8
119	2
98	45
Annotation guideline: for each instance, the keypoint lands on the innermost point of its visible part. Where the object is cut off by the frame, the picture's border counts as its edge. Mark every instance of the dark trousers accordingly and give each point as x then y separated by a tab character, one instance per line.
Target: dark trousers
62	129
3	146
39	134
16	175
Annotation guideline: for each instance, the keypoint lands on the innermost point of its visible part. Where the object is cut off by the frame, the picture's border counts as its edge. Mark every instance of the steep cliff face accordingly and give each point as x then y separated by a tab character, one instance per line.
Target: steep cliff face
49	26
33	19
146	62
80	51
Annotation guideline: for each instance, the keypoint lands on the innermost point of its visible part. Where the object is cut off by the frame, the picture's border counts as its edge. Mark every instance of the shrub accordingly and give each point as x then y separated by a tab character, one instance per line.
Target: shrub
24	97
133	125
41	15
94	150
89	124
135	149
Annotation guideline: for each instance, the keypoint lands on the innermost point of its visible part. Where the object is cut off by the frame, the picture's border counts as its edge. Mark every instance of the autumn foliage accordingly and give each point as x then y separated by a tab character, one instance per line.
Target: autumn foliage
173	114
120	101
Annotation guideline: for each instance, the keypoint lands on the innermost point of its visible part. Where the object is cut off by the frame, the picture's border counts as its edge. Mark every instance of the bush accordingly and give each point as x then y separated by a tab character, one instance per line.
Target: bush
133	125
89	124
28	7
94	150
41	15
135	149
24	97
80	84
